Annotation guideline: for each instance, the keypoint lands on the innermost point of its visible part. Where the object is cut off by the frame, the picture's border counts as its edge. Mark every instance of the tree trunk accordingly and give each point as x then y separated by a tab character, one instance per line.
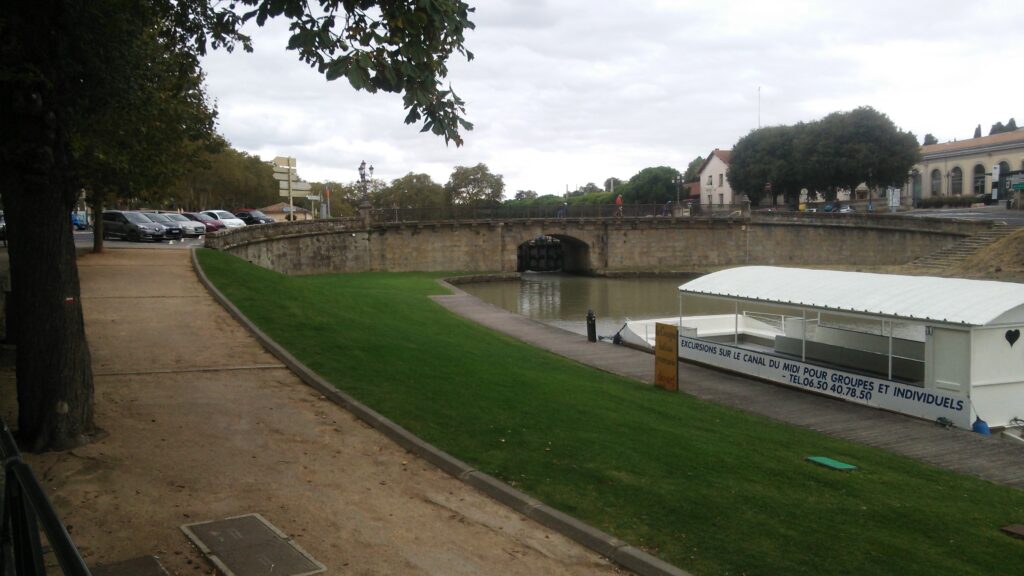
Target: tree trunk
54	369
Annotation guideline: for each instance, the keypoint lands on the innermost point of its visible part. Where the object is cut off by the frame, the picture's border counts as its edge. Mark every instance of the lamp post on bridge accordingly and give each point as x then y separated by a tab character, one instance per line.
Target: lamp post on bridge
364	205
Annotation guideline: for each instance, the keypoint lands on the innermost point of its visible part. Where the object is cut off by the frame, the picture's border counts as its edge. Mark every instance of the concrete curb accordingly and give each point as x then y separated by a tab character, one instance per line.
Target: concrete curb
605	544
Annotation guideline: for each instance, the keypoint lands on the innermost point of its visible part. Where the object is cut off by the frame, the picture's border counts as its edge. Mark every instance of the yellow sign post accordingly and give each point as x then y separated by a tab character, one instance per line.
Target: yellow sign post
666	356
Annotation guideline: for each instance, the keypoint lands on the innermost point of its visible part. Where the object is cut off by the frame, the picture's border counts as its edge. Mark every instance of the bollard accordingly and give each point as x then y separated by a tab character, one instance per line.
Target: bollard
591	326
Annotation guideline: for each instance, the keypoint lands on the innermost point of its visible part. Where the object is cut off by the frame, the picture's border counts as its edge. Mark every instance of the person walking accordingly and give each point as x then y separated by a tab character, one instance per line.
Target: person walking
618	206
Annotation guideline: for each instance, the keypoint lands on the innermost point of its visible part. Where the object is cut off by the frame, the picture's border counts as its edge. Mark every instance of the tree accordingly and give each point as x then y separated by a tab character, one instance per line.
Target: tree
50	67
525	195
167	101
652	185
766	155
875	151
411	191
343	197
612	184
474	186
839	151
226	178
929	140
589	188
977	131
693	169
999	127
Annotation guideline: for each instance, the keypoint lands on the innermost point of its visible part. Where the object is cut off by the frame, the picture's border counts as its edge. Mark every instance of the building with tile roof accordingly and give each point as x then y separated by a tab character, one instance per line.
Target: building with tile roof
714	185
964	167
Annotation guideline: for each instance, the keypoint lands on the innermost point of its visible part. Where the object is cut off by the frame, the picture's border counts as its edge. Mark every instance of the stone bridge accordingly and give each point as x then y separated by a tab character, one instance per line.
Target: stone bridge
599	246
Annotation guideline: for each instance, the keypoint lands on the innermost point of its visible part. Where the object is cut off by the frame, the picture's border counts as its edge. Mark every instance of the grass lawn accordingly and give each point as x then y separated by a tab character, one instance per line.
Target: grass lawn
707	488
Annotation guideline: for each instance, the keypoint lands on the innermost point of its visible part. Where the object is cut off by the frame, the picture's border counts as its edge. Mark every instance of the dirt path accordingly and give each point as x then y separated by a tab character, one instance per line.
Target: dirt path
203	424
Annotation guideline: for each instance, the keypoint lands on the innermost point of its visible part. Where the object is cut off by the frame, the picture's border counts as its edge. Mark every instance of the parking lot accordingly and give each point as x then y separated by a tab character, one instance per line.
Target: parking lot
83	240
997	213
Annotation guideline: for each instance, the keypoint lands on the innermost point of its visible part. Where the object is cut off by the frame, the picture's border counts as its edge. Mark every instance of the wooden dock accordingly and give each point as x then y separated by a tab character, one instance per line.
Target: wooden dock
954	449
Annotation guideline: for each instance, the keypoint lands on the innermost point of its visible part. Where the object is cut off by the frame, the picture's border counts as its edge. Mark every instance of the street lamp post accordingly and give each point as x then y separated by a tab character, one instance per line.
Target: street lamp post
364	205
364	177
679	186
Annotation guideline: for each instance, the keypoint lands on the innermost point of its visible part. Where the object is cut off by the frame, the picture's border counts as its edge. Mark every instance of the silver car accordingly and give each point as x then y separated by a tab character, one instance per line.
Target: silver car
229	219
191	228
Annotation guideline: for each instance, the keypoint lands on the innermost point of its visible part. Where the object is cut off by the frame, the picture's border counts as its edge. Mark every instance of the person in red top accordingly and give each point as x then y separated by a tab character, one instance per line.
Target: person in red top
618	205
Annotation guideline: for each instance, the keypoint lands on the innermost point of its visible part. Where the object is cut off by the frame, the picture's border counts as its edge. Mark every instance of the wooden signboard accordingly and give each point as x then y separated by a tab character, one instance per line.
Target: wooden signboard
666	356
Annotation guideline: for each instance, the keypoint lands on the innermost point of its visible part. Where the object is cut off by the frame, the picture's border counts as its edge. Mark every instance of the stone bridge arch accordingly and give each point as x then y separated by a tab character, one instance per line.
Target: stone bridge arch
553	252
582	244
592	246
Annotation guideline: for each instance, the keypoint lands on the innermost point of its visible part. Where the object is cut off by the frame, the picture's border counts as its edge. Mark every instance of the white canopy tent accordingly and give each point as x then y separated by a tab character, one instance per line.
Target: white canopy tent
967	367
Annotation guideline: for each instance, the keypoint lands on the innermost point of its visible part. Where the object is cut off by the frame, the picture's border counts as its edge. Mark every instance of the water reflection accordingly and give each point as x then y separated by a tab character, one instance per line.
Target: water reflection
563	299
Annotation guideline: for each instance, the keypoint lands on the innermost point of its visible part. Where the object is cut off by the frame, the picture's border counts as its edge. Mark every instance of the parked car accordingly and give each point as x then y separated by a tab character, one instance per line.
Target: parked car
78	221
190	228
845	209
212	225
224	216
131	225
253	217
172	230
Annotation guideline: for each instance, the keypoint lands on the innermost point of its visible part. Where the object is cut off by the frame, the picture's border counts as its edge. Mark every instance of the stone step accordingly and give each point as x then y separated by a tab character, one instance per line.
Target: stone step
964	249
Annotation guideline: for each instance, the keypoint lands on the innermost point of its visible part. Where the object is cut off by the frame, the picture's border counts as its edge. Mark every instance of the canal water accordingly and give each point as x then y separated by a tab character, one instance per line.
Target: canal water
563	299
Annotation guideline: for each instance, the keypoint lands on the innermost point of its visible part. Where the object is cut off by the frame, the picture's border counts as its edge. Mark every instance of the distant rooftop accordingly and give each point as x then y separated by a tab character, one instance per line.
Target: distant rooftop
994	141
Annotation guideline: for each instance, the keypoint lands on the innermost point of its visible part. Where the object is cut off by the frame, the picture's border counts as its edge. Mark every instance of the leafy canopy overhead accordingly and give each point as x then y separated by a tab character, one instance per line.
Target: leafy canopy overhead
390	45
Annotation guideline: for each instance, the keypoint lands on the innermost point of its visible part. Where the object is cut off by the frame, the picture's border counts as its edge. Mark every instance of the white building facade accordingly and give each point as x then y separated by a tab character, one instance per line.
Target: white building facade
714	185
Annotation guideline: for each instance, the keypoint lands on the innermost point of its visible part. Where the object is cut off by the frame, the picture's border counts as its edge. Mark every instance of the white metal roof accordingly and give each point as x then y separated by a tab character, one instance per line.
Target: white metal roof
944	300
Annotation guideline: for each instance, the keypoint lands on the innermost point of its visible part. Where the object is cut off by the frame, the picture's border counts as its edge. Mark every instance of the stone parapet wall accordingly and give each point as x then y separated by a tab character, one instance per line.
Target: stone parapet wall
594	246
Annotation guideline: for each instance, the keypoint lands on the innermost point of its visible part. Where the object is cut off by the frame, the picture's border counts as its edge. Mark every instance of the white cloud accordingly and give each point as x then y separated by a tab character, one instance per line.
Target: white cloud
568	92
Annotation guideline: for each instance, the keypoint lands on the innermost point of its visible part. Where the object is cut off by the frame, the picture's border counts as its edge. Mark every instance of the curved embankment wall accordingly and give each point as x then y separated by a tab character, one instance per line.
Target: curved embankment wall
593	246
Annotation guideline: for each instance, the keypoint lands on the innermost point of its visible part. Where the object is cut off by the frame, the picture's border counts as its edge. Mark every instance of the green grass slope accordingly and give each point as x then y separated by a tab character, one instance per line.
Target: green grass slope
707	488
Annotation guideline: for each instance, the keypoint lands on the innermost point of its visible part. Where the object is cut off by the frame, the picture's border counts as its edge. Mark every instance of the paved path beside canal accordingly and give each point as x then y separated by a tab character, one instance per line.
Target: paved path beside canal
203	424
958	450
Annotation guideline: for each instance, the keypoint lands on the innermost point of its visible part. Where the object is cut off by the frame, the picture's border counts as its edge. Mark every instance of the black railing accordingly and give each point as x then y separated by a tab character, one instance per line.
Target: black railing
553	212
24	510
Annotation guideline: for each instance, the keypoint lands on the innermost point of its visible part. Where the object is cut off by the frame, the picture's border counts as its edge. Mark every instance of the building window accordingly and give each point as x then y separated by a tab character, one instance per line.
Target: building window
979	180
956	182
709	197
721	199
711	180
721	179
936	183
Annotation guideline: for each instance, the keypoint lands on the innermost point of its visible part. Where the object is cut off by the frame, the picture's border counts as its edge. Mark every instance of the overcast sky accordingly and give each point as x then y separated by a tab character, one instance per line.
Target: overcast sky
566	92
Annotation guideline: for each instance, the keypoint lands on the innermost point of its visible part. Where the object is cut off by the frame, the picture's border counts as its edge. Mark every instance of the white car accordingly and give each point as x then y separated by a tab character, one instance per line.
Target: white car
229	219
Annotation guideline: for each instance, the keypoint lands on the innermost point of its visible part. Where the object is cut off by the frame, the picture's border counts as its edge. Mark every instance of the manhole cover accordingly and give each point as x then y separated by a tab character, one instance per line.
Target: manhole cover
250	546
142	566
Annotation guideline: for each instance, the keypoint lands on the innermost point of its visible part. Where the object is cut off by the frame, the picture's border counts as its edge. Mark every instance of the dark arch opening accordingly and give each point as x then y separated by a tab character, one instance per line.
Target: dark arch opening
553	253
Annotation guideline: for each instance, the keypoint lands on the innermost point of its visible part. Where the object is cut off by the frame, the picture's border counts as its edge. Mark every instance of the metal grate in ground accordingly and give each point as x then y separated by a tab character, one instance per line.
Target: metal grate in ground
249	545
